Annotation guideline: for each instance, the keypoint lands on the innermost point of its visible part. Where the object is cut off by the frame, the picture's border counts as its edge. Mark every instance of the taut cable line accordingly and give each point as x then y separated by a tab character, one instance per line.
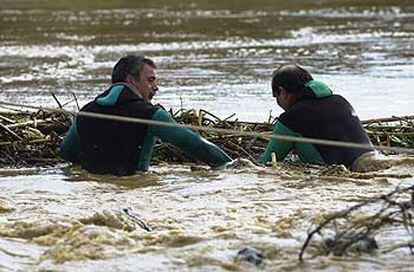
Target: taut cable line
218	130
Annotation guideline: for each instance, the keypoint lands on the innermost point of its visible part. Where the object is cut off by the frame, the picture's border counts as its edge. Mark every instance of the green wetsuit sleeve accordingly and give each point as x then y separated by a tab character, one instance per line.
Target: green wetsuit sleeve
145	155
70	147
192	143
280	148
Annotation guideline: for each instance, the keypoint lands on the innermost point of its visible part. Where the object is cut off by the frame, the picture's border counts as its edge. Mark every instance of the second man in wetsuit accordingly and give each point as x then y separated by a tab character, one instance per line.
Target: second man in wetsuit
313	111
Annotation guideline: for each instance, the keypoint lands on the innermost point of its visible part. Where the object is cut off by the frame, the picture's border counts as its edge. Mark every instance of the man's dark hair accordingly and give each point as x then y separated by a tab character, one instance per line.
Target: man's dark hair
292	78
130	65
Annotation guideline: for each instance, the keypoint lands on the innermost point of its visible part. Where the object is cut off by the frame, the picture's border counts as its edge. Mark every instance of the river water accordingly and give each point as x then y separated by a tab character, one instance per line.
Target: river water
215	55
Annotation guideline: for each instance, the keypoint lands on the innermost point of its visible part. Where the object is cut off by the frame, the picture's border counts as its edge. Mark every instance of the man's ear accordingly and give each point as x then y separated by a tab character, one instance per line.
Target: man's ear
290	97
282	91
129	79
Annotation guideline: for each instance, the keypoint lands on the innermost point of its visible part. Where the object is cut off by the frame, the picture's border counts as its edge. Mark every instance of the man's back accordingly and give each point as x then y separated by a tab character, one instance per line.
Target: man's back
330	118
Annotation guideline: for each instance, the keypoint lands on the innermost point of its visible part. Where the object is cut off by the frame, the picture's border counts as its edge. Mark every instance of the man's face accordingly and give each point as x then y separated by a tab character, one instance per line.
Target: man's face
283	98
146	84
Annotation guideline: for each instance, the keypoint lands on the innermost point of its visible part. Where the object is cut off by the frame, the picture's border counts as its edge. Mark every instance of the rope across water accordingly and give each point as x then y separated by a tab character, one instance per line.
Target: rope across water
218	130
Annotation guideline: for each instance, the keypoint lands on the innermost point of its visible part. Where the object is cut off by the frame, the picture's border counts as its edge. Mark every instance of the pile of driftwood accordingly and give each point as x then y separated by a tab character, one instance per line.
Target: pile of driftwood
233	144
393	131
33	138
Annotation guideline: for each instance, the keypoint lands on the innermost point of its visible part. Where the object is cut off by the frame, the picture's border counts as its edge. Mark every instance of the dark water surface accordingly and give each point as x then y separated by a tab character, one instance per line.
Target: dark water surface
215	55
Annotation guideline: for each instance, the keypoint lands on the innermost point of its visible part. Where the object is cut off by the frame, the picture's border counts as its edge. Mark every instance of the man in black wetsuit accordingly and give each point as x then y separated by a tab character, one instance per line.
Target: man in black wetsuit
311	110
120	148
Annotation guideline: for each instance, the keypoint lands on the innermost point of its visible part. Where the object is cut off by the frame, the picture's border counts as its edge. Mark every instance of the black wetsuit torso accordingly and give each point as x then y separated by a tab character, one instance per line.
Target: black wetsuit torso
330	118
112	146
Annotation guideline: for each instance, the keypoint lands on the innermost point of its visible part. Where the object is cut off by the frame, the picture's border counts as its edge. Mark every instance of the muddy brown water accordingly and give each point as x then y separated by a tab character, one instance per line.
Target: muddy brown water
212	55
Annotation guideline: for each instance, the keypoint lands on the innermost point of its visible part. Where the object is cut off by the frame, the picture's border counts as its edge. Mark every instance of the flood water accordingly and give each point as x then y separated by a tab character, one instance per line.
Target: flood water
215	55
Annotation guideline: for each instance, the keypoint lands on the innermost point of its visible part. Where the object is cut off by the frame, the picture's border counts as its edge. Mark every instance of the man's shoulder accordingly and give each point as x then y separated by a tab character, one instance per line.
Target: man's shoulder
306	104
132	108
88	106
312	109
139	109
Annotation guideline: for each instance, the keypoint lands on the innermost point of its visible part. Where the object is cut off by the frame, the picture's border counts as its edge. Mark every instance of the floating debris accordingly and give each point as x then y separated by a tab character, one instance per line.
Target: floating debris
136	219
30	139
360	243
392	131
251	255
353	230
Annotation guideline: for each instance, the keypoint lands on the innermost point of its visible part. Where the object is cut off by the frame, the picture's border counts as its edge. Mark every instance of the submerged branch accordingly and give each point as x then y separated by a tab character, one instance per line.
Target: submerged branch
353	230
